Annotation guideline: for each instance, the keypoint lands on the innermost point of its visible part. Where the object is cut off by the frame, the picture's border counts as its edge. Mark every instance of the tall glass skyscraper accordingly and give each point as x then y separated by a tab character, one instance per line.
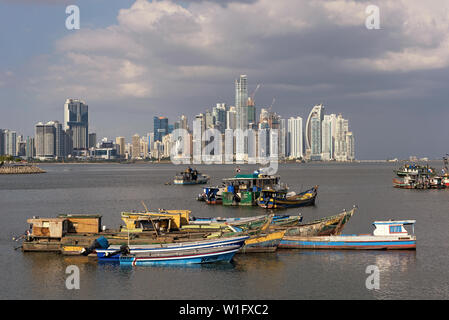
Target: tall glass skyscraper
241	102
313	132
160	128
76	118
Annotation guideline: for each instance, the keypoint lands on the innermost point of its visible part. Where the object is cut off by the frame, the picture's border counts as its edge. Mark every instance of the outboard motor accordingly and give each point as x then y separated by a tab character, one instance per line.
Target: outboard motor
99	243
124	250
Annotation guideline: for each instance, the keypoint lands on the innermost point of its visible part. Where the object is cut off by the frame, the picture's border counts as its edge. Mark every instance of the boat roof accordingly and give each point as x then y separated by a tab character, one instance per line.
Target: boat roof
275	191
251	177
403	222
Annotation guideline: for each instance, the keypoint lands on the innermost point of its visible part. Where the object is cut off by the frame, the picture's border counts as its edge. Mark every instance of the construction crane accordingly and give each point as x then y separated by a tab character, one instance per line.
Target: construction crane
251	98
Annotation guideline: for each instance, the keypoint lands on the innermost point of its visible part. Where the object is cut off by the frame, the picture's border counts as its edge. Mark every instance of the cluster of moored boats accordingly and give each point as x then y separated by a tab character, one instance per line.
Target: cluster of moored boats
413	176
257	189
178	237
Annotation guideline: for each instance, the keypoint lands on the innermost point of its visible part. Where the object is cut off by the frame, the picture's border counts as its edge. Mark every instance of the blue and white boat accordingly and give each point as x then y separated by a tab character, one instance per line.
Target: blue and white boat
388	235
181	257
113	253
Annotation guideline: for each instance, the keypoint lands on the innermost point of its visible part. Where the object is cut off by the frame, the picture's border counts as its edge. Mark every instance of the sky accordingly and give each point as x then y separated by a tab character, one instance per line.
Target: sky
132	60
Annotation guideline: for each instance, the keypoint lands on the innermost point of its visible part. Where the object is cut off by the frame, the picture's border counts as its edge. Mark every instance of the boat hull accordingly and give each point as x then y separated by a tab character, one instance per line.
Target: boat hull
105	254
181	182
263	243
349	243
323	227
223	254
306	198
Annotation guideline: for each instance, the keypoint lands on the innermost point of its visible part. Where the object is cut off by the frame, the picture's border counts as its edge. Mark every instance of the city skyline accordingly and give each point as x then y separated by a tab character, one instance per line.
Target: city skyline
327	137
394	95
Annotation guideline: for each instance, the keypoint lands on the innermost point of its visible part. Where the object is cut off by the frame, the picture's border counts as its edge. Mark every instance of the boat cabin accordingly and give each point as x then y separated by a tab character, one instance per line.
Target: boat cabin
82	223
250	182
392	227
164	220
47	227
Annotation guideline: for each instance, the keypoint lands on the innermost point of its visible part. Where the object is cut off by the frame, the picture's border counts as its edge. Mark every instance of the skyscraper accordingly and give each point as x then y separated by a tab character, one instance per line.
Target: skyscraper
327	141
219	112
241	102
160	128
295	137
135	146
2	142
120	142
49	140
231	118
92	140
313	132
76	118
10	142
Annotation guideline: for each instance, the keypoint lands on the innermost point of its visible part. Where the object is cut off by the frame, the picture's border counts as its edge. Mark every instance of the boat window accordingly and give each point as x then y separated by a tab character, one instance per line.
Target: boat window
395	229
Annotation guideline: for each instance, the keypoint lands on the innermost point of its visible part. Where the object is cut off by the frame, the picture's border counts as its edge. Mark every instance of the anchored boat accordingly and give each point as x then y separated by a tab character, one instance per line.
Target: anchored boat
212	195
282	199
113	253
190	176
181	257
321	227
244	189
388	235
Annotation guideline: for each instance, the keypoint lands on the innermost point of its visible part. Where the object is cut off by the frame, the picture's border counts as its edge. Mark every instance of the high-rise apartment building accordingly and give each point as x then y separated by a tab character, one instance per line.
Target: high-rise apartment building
295	137
135	146
49	140
10	142
231	118
120	142
76	118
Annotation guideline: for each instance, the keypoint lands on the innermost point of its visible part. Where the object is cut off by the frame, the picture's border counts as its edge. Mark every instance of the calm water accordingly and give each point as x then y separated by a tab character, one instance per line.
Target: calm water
288	274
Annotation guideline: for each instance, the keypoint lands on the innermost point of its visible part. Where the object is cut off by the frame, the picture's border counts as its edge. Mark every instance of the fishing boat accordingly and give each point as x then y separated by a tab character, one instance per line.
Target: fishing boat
405	183
282	199
321	227
249	222
244	189
180	257
436	182
414	169
211	195
190	176
388	235
113	253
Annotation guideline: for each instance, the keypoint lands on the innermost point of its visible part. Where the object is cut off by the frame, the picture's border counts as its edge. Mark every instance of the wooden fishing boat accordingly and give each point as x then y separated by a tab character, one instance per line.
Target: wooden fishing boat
282	199
321	227
267	241
248	222
181	257
388	235
113	253
190	176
